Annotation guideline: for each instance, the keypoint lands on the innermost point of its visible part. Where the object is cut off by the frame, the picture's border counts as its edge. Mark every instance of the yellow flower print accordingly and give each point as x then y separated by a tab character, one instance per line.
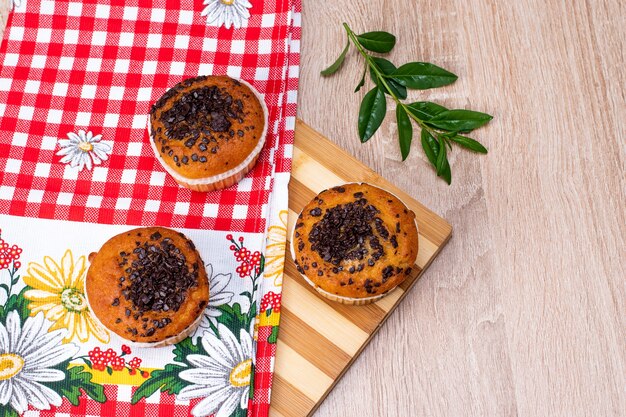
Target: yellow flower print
59	291
275	250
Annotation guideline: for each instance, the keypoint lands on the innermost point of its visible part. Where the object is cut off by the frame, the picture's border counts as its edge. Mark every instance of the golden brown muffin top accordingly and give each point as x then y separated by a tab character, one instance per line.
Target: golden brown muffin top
355	241
147	284
207	125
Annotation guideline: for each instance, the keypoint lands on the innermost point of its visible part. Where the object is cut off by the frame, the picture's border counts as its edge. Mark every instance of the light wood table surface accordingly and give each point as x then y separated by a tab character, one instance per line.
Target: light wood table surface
524	312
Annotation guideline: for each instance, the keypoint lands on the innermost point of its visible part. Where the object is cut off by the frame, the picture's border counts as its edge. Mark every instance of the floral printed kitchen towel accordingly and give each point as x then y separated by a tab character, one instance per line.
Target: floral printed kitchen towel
76	83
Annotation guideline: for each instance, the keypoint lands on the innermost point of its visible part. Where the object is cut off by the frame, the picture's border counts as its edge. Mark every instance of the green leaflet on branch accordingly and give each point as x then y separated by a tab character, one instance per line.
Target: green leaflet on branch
387	68
166	380
381	42
430	146
425	110
436	122
459	120
337	64
431	149
442	158
469	143
422	75
405	131
362	82
371	114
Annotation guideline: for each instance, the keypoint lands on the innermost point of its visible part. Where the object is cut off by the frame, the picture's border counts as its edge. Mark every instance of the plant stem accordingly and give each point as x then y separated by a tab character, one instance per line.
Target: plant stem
383	81
11	273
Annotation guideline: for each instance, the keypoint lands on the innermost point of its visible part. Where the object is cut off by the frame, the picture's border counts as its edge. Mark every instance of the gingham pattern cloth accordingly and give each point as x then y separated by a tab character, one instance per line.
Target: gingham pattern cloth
98	66
68	66
159	405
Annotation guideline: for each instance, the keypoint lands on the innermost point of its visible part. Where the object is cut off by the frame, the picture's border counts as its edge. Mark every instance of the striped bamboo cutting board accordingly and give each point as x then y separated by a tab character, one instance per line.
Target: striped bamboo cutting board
320	339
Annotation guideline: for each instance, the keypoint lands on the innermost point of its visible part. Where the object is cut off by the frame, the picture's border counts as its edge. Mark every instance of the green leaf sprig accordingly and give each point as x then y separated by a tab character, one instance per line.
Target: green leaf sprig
440	127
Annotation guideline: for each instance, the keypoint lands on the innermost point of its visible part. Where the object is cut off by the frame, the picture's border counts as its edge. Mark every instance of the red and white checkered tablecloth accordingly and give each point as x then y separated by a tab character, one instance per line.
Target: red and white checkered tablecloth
95	66
98	66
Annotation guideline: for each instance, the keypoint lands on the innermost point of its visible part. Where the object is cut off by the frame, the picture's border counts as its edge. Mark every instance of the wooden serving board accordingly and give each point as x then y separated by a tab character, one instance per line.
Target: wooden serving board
320	339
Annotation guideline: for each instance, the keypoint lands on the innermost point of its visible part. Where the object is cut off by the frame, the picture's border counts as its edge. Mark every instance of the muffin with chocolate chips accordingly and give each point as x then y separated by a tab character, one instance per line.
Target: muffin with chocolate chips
208	131
148	285
355	243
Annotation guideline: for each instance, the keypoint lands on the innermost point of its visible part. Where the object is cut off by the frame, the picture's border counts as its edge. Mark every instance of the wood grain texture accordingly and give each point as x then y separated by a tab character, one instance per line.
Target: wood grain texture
320	339
524	311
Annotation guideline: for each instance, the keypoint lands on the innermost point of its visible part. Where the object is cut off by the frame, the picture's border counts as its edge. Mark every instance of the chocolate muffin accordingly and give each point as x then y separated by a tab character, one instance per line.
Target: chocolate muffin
355	243
208	131
148	285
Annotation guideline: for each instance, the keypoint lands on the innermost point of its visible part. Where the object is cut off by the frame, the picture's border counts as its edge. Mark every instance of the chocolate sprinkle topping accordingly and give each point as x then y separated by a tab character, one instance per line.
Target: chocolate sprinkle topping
316	212
387	272
347	232
159	277
199	110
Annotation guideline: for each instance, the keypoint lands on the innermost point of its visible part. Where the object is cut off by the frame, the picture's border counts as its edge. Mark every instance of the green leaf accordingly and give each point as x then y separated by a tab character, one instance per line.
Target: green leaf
95	392
76	379
371	114
425	110
273	337
337	64
232	317
239	412
431	149
18	303
8	411
185	348
443	167
384	65
109	370
430	146
387	68
422	75
381	42
442	157
252	313
469	143
362	82
405	131
460	120
166	380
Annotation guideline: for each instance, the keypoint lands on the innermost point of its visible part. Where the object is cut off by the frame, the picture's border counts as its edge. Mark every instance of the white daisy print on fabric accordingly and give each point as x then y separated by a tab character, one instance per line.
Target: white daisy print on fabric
227	12
28	356
83	150
218	284
222	378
